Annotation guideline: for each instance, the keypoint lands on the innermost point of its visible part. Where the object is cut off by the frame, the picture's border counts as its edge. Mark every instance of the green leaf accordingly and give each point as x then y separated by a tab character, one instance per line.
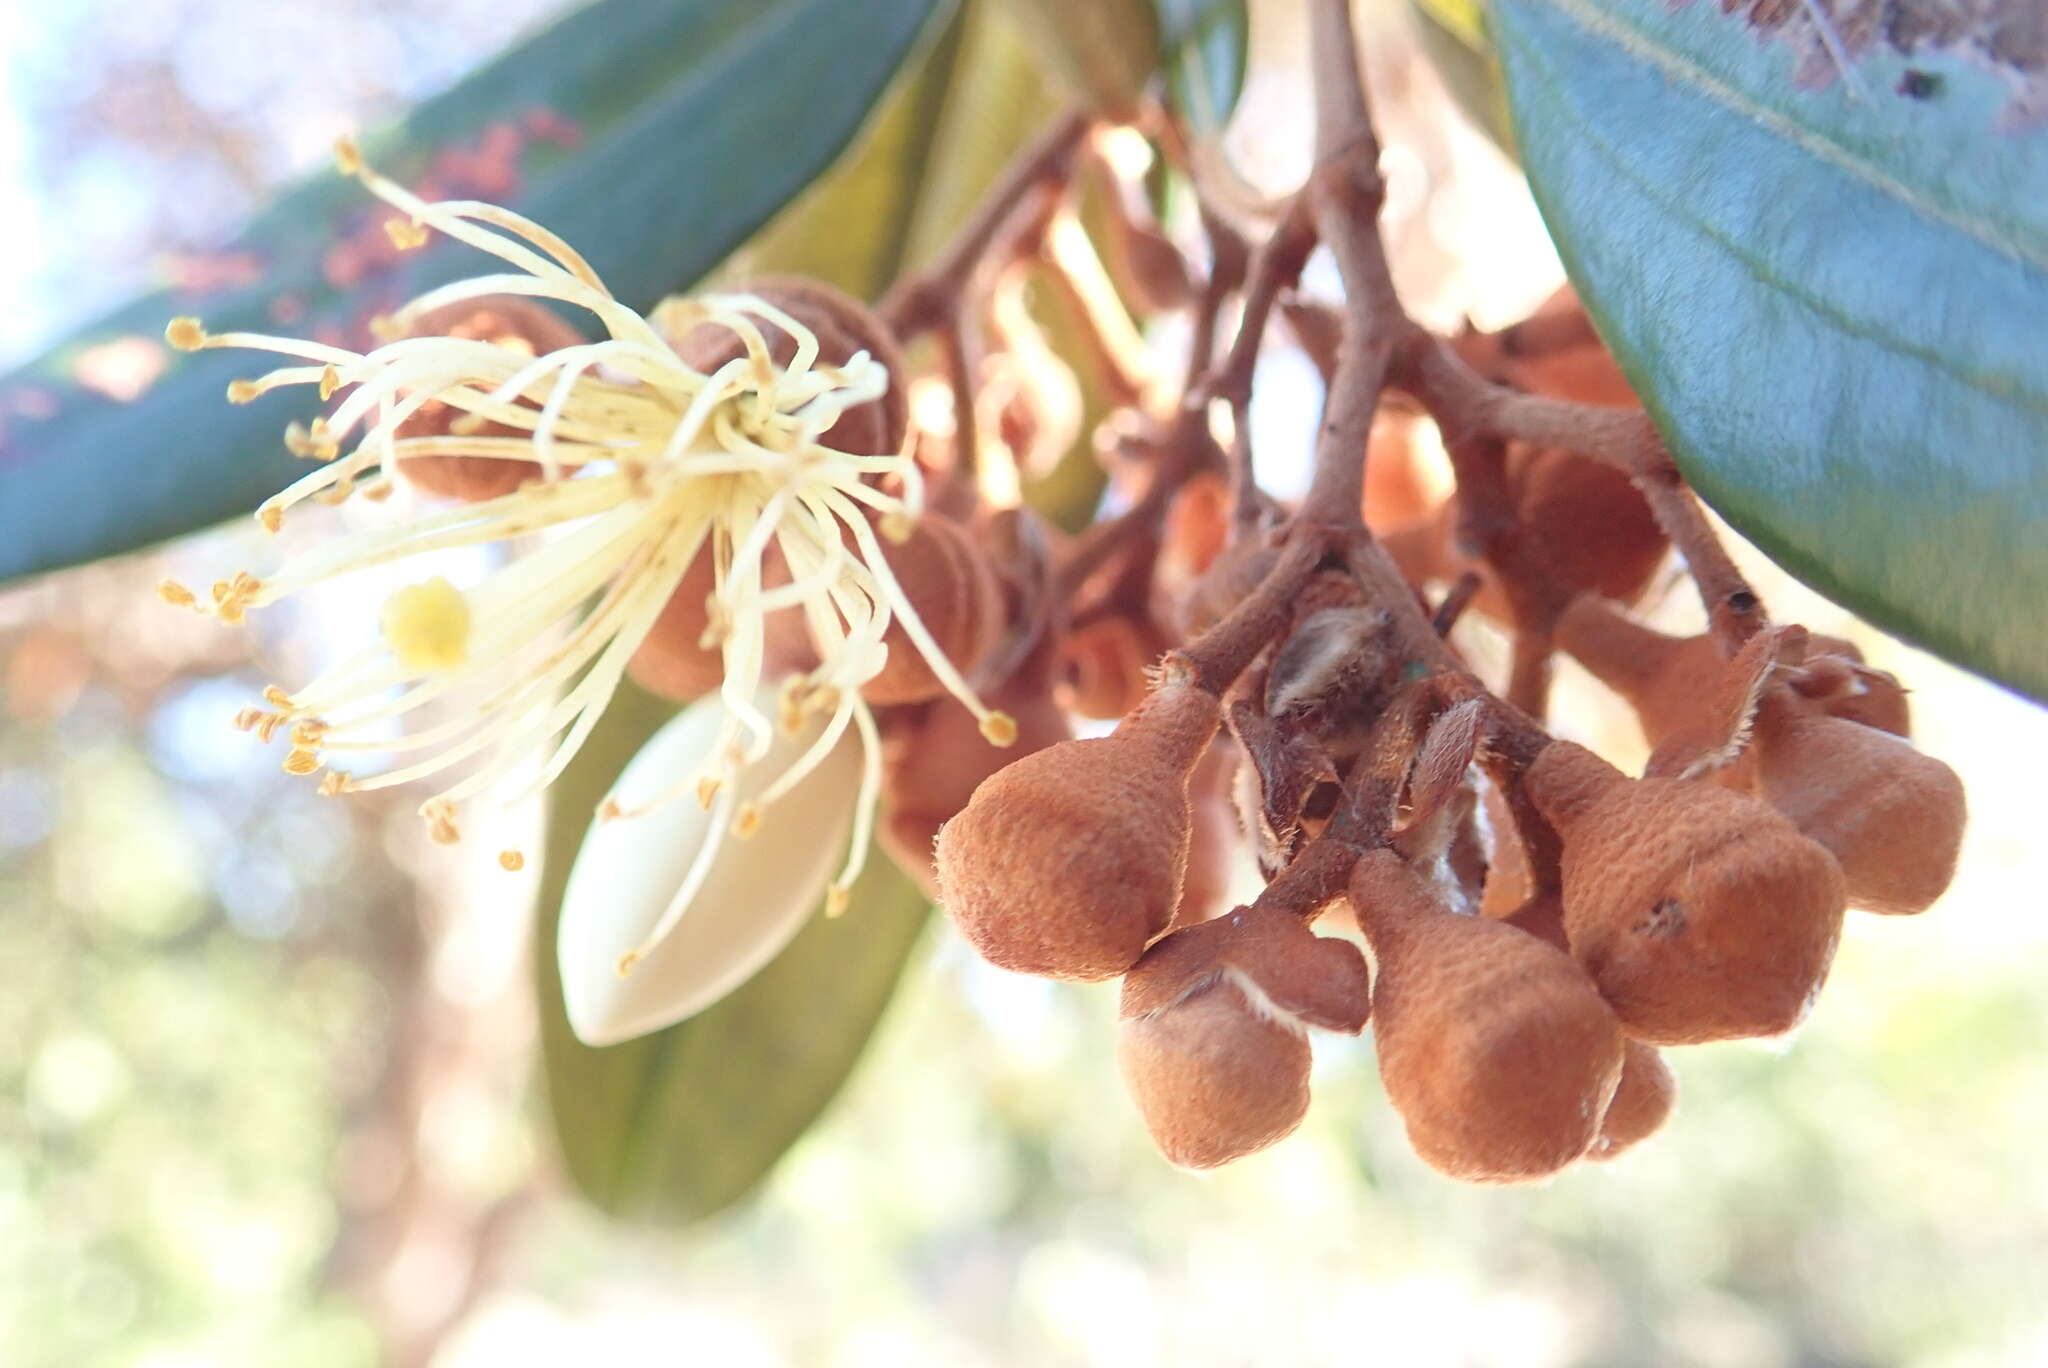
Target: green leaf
1453	34
1834	300
683	1123
679	1125
1105	51
655	135
1202	50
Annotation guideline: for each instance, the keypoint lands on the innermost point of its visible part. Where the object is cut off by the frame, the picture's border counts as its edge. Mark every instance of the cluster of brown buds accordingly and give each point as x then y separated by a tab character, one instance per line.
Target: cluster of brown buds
1539	924
752	499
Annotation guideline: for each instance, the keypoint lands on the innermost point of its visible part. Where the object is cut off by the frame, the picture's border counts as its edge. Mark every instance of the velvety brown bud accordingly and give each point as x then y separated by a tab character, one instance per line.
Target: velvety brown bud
843	326
1103	667
1495	1048
511	321
1648	1089
1666	679
934	757
1891	816
1701	913
947	576
1214	1077
1642	1103
1070	862
680	659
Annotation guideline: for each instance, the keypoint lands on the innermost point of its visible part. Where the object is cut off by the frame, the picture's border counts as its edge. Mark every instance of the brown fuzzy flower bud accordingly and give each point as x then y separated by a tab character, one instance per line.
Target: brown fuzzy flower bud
1665	679
682	658
1213	1022
1701	913
1891	816
1212	839
1648	1088
1495	1048
1103	666
948	578
843	326
1593	530
1214	1077
513	322
1069	862
1642	1103
935	757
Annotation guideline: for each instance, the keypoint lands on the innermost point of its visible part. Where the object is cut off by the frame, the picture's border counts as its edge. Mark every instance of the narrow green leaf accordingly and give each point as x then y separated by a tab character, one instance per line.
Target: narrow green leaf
1202	50
683	1123
1829	283
655	135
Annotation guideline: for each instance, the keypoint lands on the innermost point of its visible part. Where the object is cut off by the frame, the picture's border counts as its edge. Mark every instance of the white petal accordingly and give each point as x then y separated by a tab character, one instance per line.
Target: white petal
760	891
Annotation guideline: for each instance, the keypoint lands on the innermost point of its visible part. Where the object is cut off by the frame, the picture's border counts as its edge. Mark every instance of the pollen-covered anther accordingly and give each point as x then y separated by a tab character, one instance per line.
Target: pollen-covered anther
176	594
999	729
837	897
511	861
747	821
330	381
896	526
440	819
377	491
609	810
348	158
271	516
243	391
405	235
307	731
299	761
707	791
185	333
333	783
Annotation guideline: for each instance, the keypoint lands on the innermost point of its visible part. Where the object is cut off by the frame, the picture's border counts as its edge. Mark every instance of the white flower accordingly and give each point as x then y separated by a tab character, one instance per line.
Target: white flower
748	898
646	462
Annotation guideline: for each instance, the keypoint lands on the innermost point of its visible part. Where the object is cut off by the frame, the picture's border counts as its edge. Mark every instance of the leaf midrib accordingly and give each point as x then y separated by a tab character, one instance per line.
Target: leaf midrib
2032	400
1601	22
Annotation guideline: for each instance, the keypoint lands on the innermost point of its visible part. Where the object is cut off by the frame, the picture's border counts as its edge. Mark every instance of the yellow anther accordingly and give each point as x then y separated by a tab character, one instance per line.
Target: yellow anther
301	762
707	789
427	626
185	333
440	818
332	783
610	811
747	822
330	381
243	391
377	491
627	961
405	235
271	516
248	719
308	732
999	729
277	698
385	328
897	525
836	899
176	594
511	861
348	158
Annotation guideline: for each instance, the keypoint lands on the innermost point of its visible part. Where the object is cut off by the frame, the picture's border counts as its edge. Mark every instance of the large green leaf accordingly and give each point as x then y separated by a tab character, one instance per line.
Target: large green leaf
1104	50
683	1123
1834	300
655	135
